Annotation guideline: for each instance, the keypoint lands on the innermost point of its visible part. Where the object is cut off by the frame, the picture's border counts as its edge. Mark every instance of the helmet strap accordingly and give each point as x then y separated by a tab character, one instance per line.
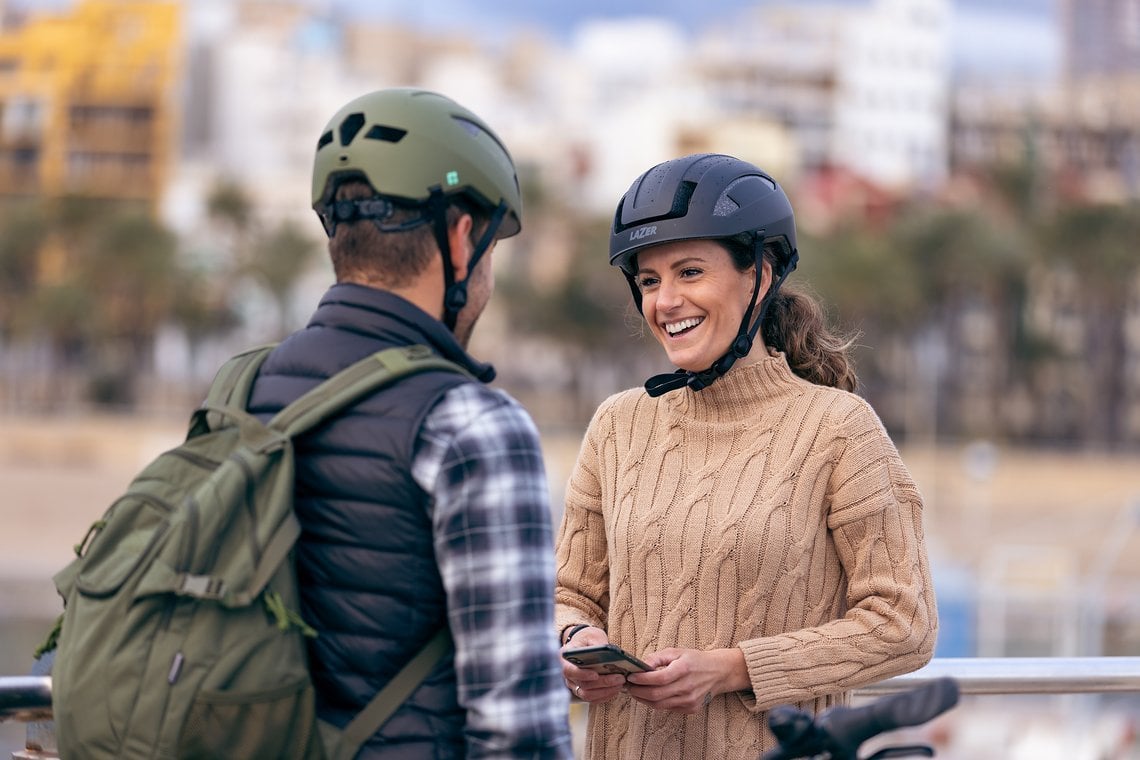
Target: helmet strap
455	291
659	385
632	281
437	208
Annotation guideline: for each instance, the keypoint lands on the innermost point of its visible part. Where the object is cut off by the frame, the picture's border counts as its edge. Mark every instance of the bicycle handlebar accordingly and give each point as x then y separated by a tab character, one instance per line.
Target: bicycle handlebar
839	731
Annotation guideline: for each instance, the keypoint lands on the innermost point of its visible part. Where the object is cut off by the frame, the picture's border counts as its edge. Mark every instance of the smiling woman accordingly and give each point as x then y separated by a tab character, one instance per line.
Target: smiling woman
730	524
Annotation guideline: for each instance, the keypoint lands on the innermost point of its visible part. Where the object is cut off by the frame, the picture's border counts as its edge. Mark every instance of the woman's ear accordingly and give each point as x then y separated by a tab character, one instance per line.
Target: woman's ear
765	278
459	243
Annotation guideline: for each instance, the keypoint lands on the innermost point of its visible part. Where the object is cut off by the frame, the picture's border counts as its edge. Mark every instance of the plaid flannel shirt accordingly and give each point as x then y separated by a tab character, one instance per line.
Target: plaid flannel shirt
478	456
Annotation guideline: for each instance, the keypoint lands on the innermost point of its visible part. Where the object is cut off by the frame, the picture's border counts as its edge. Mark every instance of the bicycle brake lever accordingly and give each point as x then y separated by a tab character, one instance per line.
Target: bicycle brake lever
790	725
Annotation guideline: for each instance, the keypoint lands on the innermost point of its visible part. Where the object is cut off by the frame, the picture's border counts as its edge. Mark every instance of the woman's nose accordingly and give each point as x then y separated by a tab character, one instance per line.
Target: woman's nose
668	295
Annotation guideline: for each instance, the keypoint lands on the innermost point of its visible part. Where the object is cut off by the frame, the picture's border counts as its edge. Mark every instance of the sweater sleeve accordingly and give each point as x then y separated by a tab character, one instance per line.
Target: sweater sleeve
874	516
581	562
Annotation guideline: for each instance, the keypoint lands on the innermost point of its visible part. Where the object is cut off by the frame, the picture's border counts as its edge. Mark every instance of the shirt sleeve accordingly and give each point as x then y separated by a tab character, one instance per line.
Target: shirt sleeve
479	458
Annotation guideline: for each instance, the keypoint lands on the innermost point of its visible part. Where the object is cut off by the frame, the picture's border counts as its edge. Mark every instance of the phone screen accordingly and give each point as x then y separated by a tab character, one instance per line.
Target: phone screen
607	658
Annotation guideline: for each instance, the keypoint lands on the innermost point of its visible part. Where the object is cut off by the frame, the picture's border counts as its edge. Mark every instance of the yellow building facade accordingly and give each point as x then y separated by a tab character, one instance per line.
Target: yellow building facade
88	101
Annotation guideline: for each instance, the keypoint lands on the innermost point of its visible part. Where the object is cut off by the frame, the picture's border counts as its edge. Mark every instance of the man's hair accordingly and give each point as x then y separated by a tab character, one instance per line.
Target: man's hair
361	252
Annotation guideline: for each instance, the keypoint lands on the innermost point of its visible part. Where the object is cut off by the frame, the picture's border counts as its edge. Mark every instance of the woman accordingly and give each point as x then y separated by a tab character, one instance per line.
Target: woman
743	525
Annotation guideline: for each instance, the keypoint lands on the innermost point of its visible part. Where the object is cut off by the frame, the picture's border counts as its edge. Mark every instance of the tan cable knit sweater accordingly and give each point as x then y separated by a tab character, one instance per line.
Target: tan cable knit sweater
763	512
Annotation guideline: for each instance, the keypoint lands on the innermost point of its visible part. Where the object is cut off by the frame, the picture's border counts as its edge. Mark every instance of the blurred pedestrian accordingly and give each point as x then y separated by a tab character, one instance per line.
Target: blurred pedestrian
744	525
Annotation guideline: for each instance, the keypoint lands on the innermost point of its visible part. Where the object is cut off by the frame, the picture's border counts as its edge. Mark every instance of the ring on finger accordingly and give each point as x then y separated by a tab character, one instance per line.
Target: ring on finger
578	690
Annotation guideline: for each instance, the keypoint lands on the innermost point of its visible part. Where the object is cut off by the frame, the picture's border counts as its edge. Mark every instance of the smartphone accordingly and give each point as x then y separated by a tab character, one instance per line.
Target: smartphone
607	658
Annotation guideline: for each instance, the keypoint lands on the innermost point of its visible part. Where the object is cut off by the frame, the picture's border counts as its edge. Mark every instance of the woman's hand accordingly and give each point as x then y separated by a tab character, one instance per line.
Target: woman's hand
588	685
686	680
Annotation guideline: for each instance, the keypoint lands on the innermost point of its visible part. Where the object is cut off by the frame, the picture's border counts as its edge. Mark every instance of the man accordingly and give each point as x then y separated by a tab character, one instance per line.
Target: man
424	505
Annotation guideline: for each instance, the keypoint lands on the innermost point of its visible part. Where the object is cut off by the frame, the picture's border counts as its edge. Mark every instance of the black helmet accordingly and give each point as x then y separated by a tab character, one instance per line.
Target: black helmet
420	148
706	196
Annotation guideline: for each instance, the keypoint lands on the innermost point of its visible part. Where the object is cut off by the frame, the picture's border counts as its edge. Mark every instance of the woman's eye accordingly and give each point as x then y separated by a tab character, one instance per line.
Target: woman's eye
690	272
646	282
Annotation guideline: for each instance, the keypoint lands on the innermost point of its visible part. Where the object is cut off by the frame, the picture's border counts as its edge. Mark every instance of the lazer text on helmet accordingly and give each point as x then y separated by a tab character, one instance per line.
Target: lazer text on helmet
641	232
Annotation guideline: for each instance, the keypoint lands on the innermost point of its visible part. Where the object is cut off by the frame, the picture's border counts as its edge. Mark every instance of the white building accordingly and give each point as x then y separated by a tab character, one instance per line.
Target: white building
628	92
860	86
785	86
265	77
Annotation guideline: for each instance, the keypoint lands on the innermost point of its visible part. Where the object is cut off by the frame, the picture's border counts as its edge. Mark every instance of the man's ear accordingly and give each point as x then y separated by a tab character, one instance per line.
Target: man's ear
459	241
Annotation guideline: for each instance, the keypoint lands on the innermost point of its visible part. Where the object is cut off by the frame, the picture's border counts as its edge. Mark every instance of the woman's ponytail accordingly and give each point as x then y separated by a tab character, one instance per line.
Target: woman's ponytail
795	323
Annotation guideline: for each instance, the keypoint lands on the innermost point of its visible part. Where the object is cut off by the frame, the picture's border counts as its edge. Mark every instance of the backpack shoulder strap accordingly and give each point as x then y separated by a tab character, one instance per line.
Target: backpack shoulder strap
369	720
235	378
230	387
354	383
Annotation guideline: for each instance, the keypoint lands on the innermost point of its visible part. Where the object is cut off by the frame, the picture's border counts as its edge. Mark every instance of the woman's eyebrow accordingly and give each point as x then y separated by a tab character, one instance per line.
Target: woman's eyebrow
675	265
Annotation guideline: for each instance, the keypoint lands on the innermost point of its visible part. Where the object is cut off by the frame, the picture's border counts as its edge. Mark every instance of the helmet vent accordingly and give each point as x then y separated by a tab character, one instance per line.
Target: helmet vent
472	128
326	138
725	206
476	130
681	199
349	128
387	134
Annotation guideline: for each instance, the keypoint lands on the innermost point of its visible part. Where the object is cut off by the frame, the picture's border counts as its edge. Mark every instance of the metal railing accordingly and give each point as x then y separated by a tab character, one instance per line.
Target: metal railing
1023	675
25	698
28	698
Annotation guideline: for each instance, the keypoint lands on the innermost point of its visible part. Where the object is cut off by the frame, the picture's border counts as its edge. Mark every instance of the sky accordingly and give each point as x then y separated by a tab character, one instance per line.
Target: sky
1014	37
989	37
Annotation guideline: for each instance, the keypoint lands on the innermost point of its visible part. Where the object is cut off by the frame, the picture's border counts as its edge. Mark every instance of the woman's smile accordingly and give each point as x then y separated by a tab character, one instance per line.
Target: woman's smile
685	325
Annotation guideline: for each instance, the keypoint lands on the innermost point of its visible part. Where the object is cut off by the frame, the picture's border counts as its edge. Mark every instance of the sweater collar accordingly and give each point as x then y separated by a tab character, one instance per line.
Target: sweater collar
737	395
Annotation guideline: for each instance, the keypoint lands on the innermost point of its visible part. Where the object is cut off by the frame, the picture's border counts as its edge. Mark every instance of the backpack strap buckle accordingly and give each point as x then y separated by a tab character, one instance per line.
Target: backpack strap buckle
200	586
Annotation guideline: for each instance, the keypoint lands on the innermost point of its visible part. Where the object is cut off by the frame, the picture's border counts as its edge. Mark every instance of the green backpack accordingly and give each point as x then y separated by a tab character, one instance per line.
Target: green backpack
181	636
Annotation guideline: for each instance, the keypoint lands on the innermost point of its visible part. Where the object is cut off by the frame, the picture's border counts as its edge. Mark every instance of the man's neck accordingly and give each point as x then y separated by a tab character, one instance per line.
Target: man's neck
425	295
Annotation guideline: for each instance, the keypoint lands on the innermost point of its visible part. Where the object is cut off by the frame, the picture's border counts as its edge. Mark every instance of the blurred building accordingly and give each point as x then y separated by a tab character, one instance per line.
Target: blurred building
1084	130
1078	141
1101	37
864	87
1101	88
264	77
789	87
88	101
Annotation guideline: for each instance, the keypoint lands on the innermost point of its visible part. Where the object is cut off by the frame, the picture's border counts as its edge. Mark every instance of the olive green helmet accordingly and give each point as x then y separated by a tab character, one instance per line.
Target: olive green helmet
407	142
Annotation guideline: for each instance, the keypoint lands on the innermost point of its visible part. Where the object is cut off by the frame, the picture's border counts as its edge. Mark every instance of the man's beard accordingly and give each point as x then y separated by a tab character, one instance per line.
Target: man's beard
464	329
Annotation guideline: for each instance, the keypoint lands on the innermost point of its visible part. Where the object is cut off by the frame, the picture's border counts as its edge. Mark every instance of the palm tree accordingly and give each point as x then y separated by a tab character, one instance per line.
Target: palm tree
22	233
278	259
131	270
1096	245
229	205
274	257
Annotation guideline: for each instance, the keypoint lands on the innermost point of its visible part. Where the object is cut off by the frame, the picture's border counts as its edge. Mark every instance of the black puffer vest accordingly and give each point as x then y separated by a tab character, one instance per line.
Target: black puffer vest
365	559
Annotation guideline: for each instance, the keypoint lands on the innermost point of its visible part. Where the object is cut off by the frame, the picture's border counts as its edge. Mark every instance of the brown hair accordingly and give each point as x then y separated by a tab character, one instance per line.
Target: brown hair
362	253
796	324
